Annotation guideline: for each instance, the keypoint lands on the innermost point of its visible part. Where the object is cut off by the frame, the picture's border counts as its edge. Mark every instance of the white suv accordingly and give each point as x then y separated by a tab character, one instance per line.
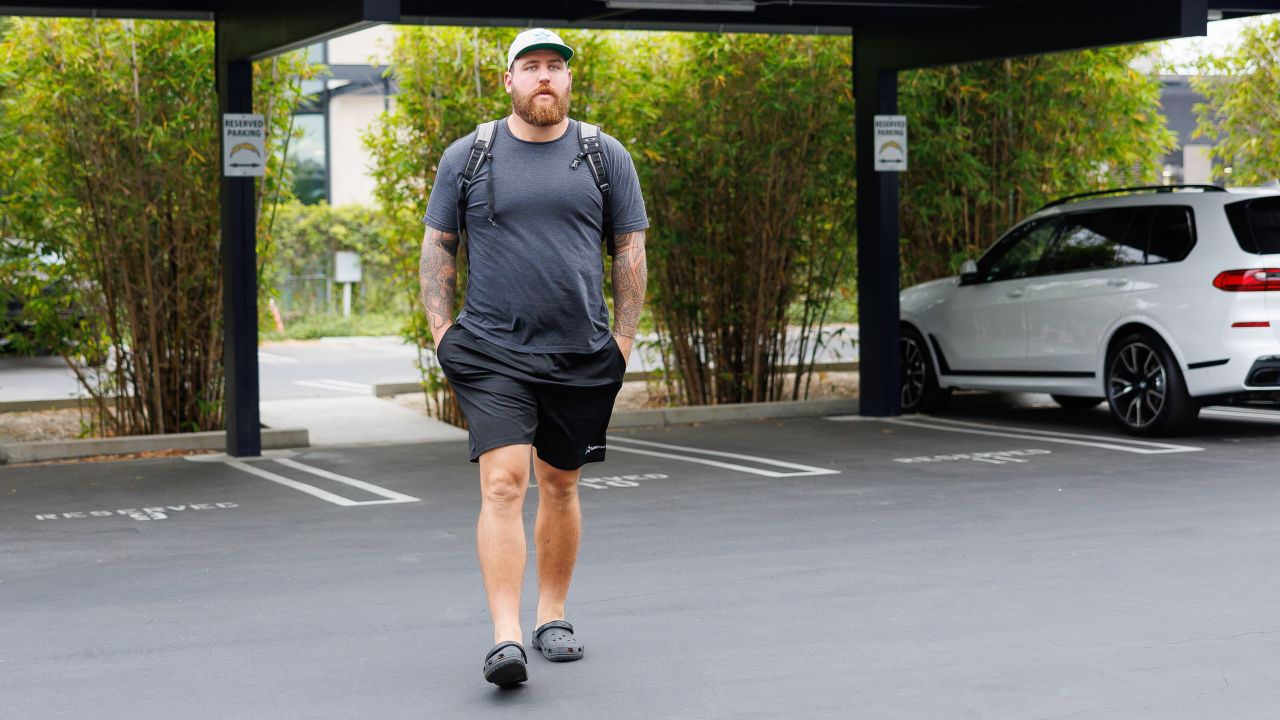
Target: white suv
1159	300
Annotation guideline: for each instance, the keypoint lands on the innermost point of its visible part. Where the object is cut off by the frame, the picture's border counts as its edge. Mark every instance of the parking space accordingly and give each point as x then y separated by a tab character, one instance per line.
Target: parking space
993	563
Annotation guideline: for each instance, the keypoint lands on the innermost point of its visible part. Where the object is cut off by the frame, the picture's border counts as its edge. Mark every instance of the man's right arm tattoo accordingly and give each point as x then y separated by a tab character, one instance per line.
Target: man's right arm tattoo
438	278
630	275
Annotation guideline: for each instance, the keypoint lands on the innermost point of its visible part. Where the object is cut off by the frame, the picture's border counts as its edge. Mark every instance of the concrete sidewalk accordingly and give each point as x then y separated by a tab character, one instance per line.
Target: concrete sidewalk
356	420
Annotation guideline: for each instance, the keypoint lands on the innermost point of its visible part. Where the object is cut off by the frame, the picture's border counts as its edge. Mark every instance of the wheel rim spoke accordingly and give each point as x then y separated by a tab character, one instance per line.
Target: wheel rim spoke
913	372
1137	384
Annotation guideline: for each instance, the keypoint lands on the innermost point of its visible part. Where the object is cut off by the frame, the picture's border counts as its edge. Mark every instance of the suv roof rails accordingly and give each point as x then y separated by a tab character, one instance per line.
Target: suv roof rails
1135	189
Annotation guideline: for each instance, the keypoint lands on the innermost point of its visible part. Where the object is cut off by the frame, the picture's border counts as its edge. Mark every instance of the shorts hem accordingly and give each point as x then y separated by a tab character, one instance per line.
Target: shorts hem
475	457
585	461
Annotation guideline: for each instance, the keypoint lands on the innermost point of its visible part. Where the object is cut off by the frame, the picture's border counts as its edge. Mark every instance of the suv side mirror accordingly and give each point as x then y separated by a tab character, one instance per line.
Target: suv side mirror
969	273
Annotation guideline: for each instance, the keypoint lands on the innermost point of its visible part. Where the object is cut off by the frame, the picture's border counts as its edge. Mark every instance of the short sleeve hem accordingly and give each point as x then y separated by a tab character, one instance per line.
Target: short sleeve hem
631	227
437	225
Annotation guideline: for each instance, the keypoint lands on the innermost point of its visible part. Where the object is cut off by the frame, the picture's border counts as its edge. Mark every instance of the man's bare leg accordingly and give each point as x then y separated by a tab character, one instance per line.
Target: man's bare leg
555	535
504	478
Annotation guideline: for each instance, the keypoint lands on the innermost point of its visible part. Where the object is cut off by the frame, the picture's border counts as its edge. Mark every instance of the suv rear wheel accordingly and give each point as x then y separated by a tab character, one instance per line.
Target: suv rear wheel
1145	388
920	391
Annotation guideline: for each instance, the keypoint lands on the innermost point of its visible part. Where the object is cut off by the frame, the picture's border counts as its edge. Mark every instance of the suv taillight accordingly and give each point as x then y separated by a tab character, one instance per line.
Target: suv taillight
1255	280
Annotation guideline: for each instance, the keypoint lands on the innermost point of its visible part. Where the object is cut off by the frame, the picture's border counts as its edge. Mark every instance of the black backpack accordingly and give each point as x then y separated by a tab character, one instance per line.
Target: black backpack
589	150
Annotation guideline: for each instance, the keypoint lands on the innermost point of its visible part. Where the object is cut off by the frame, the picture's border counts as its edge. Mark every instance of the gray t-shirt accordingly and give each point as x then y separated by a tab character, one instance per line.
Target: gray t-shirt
536	281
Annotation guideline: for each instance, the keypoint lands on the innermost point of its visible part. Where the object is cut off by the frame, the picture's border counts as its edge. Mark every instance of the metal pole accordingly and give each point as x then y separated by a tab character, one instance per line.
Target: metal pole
876	93
239	279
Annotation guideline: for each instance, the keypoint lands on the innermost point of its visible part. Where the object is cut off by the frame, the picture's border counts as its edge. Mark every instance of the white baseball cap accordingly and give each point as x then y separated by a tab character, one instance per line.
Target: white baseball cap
537	39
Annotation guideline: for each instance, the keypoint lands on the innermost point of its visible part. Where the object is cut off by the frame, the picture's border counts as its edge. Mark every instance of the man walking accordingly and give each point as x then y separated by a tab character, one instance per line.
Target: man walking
531	357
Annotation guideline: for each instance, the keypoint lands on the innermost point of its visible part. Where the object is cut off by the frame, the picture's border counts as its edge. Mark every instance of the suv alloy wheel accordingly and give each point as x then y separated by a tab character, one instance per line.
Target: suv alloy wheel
1145	387
920	391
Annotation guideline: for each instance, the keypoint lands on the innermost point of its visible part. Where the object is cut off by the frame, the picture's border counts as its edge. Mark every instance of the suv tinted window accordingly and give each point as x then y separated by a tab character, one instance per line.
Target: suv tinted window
1256	224
1172	234
1096	240
1018	254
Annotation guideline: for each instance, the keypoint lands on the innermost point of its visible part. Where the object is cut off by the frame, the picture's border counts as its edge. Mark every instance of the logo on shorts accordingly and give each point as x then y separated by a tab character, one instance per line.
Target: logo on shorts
593	448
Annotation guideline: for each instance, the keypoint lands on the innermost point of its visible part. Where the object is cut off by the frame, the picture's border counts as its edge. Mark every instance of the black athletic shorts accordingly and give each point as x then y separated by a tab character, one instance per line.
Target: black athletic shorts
558	402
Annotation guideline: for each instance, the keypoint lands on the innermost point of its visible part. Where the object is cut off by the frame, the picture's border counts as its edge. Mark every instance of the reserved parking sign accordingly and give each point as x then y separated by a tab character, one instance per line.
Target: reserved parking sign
891	143
244	145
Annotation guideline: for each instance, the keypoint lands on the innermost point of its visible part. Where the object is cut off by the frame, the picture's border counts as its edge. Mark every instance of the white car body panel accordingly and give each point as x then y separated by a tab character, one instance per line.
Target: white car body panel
1068	314
1055	336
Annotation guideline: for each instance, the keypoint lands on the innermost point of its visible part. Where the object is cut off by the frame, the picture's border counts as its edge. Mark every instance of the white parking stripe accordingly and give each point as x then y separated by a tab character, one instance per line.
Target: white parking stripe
1139	447
1253	414
364	387
688	454
267	358
391	495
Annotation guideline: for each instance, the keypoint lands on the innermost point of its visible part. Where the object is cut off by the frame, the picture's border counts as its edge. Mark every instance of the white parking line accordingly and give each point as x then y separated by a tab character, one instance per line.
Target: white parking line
1235	413
267	358
620	444
1139	447
390	495
339	385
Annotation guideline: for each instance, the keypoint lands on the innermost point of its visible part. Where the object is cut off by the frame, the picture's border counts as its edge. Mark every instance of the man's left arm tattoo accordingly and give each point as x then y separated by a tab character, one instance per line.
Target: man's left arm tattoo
630	275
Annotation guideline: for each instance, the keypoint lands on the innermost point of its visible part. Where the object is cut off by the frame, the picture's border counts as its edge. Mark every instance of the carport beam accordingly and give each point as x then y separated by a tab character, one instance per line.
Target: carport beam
239	279
876	93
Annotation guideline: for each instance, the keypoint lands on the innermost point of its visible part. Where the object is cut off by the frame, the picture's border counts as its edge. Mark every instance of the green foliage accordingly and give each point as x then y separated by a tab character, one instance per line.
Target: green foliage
312	327
993	141
110	162
305	237
745	149
1243	108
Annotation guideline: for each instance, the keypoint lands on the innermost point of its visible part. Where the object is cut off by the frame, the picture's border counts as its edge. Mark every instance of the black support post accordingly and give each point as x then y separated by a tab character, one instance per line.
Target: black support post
239	278
876	93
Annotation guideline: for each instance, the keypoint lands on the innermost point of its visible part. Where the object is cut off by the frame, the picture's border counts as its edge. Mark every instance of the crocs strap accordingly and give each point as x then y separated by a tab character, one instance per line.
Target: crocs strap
508	643
552	624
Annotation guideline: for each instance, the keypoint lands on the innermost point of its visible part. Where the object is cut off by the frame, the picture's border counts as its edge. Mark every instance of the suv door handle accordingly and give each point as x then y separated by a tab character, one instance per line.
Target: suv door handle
1118	282
1016	293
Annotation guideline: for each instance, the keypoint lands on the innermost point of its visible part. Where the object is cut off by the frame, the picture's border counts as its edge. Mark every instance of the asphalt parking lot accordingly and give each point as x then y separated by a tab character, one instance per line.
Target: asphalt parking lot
988	563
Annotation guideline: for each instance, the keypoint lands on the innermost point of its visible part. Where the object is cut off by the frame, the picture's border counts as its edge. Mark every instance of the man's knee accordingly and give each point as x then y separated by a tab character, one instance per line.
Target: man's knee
502	488
556	484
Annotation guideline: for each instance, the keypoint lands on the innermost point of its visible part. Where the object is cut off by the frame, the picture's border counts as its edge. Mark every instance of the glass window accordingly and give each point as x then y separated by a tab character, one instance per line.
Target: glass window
1094	241
1172	234
1257	224
307	158
317	53
1018	254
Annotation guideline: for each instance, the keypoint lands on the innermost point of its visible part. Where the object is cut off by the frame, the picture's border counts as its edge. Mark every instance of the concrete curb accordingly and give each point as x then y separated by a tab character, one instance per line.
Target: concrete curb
67	403
25	452
662	417
398	388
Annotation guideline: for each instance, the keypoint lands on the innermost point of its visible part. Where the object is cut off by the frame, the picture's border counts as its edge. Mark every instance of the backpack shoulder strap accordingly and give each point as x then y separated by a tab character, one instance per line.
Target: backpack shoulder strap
480	151
589	143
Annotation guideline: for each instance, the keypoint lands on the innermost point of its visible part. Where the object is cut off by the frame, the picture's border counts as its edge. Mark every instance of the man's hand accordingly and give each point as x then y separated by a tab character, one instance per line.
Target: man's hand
438	279
436	337
624	344
630	275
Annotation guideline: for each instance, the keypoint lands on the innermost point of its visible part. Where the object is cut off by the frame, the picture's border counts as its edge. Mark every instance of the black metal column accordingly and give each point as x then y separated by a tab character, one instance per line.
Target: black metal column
876	93
239	278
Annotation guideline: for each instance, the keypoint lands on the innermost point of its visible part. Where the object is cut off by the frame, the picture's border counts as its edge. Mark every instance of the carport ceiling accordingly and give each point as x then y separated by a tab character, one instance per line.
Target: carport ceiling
988	28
